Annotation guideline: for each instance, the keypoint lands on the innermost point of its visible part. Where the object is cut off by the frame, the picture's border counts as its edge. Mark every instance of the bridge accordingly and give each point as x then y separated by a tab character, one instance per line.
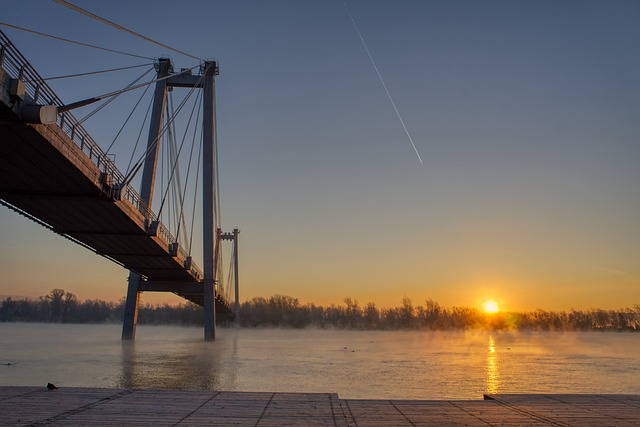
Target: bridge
54	173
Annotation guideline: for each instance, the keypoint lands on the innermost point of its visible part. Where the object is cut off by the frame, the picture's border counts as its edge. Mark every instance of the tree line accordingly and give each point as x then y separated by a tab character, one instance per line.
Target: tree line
60	306
285	311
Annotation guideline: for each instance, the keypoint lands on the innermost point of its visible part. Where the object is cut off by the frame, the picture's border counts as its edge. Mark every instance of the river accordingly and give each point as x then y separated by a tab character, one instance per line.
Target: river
354	364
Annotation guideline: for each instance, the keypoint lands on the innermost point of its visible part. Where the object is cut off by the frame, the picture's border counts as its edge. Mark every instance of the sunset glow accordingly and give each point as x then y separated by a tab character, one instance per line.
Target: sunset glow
507	205
491	306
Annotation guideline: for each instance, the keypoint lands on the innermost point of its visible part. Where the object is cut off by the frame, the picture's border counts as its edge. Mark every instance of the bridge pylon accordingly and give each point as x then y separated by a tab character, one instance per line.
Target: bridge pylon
166	80
164	68
233	236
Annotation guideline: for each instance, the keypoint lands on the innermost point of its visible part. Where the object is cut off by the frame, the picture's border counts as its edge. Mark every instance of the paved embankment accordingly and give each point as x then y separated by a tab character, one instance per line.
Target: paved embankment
117	407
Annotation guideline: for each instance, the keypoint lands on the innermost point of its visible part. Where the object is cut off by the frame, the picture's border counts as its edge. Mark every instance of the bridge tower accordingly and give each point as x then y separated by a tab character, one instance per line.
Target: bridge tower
233	236
212	236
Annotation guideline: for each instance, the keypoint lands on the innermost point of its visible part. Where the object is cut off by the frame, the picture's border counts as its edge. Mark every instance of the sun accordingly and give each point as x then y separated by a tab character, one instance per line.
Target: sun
490	306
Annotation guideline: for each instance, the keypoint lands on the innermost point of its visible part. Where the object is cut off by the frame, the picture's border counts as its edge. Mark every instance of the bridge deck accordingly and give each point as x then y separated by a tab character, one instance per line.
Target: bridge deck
47	176
88	406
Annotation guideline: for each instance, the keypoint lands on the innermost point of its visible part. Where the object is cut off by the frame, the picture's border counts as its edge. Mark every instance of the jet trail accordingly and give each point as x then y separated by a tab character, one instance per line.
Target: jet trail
384	85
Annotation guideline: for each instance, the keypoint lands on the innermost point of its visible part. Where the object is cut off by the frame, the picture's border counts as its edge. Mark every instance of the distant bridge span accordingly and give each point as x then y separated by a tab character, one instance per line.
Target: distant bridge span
54	173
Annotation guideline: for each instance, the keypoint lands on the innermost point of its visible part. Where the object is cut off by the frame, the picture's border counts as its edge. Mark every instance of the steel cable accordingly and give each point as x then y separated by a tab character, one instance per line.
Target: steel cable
119	27
15	27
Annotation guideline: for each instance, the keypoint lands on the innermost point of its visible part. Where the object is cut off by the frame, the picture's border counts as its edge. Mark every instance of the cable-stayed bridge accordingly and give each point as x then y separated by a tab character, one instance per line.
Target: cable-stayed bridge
54	173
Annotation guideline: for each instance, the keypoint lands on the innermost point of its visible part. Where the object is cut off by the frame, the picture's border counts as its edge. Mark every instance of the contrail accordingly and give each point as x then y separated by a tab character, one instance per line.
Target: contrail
384	85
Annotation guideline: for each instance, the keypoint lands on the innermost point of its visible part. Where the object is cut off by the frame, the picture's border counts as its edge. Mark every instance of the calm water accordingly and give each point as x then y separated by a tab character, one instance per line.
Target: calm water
398	365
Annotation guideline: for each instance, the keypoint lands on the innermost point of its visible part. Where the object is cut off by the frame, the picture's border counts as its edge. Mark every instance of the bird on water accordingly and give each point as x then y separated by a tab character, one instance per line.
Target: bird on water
51	386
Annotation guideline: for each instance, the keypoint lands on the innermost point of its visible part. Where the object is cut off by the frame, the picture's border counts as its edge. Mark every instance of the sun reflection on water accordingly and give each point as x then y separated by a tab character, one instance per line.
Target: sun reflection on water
492	378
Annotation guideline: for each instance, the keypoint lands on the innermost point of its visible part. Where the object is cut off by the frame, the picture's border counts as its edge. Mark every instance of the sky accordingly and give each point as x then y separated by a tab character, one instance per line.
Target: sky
525	115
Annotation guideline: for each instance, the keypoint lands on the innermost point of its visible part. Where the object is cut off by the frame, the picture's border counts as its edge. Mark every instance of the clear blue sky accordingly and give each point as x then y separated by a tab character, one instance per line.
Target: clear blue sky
525	113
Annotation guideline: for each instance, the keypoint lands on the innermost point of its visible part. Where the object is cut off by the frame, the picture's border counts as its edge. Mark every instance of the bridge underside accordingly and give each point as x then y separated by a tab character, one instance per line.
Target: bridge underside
50	179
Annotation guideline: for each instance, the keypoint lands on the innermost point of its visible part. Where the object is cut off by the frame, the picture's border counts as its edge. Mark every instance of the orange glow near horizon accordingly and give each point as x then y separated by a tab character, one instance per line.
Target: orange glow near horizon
490	306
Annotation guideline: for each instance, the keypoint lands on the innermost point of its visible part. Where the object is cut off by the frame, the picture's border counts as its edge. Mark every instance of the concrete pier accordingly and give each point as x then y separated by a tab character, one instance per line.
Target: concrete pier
22	406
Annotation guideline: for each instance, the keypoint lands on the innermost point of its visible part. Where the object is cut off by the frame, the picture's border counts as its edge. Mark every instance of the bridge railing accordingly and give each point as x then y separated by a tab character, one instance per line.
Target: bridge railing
17	66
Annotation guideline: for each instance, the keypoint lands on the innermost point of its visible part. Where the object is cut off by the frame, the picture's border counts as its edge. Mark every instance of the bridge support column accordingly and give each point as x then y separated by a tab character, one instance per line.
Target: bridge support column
209	311
131	308
210	232
163	67
236	307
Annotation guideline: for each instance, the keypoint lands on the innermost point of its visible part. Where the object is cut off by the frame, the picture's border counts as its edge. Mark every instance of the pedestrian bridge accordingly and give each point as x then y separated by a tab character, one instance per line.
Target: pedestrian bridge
54	173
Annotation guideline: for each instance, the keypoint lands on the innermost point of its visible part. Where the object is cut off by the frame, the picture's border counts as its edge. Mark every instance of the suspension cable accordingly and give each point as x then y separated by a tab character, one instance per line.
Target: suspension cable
163	159
135	147
151	146
220	269
168	159
195	192
113	98
231	274
177	182
118	27
179	201
217	172
186	182
73	41
183	193
175	164
118	92
90	73
127	120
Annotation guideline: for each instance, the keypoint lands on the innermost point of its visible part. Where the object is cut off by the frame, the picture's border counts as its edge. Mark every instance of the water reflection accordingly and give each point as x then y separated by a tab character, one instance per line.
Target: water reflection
183	366
492	371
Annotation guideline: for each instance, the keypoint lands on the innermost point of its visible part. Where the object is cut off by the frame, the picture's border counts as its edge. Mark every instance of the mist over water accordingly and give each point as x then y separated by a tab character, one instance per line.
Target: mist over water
354	364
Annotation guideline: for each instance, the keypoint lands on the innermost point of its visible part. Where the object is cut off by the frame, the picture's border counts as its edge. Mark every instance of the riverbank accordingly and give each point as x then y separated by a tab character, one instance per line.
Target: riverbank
21	406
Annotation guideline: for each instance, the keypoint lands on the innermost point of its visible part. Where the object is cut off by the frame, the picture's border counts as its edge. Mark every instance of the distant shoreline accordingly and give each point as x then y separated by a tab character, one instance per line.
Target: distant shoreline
284	311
